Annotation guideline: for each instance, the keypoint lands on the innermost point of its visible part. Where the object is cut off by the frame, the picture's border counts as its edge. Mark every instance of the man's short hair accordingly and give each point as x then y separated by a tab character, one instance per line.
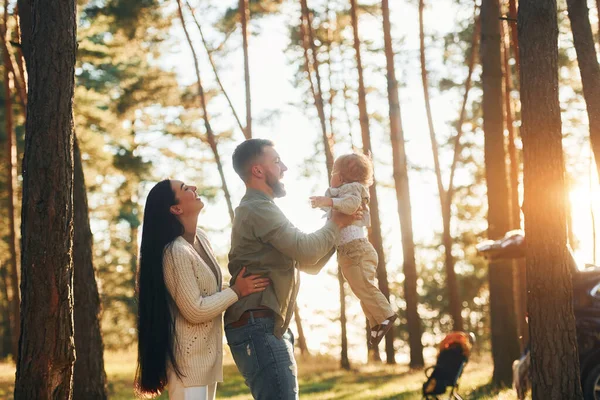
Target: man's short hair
246	154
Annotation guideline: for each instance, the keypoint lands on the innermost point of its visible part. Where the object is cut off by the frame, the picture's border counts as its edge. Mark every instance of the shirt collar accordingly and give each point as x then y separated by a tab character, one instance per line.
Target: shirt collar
257	194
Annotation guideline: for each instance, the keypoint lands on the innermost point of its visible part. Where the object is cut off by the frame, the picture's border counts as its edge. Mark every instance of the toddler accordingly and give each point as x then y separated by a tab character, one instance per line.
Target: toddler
351	177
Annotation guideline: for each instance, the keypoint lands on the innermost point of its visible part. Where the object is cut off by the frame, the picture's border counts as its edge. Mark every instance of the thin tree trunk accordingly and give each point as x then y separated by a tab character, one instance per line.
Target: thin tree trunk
463	110
209	52
451	281
20	61
510	128
505	344
210	136
554	358
588	67
11	167
344	360
7	59
301	337
375	229
310	65
592	213
520	277
6	340
244	10
403	197
89	378
46	350
514	37
309	42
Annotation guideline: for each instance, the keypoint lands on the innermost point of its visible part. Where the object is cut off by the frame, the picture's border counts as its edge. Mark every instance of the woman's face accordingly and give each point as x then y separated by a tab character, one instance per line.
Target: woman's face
188	201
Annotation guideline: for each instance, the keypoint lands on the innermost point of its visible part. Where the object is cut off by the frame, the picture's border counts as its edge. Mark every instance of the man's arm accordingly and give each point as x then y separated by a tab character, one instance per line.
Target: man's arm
316	268
271	226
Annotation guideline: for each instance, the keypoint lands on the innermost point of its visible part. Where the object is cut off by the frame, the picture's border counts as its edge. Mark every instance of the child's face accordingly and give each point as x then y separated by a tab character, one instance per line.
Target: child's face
336	179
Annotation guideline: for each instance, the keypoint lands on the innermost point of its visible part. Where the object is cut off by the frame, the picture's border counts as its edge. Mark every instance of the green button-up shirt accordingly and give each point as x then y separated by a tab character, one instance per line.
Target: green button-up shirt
266	243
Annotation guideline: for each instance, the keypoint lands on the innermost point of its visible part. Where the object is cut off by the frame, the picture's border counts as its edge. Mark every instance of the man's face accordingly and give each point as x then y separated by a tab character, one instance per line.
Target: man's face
273	170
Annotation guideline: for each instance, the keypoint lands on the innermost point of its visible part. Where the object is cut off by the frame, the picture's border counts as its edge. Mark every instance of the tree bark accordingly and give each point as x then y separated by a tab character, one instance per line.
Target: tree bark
375	229
505	344
11	167
244	11
403	197
554	358
210	136
209	52
588	67
89	378
451	281
46	352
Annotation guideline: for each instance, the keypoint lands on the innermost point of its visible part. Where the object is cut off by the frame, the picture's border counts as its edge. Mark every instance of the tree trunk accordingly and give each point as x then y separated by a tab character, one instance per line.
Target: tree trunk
514	37
6	339
20	63
505	344
520	286
89	378
11	167
588	67
344	360
7	59
375	229
311	64
214	68
210	136
403	197
46	352
554	358
301	338
244	10
24	9
309	42
451	281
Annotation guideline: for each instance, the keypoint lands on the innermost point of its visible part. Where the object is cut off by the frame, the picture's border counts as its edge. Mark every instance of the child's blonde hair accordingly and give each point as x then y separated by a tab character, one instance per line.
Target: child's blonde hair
355	167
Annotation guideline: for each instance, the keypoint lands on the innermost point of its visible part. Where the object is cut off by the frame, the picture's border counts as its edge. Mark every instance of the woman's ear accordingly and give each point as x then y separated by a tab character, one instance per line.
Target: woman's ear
176	210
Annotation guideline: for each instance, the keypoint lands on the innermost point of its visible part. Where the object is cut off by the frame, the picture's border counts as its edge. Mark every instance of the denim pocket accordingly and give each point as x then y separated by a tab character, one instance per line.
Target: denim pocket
246	359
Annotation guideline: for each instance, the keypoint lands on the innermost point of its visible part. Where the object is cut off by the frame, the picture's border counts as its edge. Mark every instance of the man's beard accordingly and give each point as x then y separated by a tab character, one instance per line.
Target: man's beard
276	186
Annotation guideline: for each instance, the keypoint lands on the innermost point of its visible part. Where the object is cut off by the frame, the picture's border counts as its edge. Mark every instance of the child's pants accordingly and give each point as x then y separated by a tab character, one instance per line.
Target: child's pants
358	262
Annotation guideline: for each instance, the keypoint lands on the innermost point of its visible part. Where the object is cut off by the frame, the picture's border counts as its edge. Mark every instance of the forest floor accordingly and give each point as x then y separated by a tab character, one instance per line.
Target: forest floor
320	378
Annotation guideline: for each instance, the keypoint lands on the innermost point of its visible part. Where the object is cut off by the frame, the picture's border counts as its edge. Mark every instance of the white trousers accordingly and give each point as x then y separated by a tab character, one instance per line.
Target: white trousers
179	392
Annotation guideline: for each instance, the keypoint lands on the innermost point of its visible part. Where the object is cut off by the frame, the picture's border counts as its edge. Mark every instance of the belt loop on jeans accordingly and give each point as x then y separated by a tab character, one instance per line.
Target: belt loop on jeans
252	317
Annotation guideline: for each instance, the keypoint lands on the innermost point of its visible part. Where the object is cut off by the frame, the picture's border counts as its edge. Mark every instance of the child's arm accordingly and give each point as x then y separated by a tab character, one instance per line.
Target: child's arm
321	201
349	203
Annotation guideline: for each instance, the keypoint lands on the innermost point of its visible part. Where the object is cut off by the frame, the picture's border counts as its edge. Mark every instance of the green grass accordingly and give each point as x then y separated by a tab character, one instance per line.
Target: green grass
319	377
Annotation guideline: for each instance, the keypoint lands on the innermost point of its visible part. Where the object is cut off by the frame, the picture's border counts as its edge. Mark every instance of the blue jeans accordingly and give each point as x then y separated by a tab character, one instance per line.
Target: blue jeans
266	362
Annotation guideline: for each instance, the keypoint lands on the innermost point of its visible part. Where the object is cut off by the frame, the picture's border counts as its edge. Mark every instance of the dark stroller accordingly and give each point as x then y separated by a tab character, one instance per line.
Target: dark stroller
452	358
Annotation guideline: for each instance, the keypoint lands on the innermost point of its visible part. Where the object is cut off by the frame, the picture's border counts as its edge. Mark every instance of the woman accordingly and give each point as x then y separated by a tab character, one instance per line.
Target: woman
180	298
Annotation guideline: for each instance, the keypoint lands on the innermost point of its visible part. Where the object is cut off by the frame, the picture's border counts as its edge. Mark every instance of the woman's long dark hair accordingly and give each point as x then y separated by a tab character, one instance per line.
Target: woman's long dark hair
156	328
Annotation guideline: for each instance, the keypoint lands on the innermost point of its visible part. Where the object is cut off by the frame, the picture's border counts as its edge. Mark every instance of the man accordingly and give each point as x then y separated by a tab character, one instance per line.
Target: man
266	243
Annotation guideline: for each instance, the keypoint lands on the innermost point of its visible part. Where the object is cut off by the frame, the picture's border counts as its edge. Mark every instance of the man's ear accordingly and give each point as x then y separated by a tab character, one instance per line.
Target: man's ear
257	171
176	210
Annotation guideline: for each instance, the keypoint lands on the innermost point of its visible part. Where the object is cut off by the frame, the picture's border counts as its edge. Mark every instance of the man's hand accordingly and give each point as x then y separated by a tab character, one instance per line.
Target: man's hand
320	201
343	220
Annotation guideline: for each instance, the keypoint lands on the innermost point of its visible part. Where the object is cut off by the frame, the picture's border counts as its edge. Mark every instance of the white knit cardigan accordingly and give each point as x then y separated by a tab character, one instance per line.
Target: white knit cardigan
197	305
